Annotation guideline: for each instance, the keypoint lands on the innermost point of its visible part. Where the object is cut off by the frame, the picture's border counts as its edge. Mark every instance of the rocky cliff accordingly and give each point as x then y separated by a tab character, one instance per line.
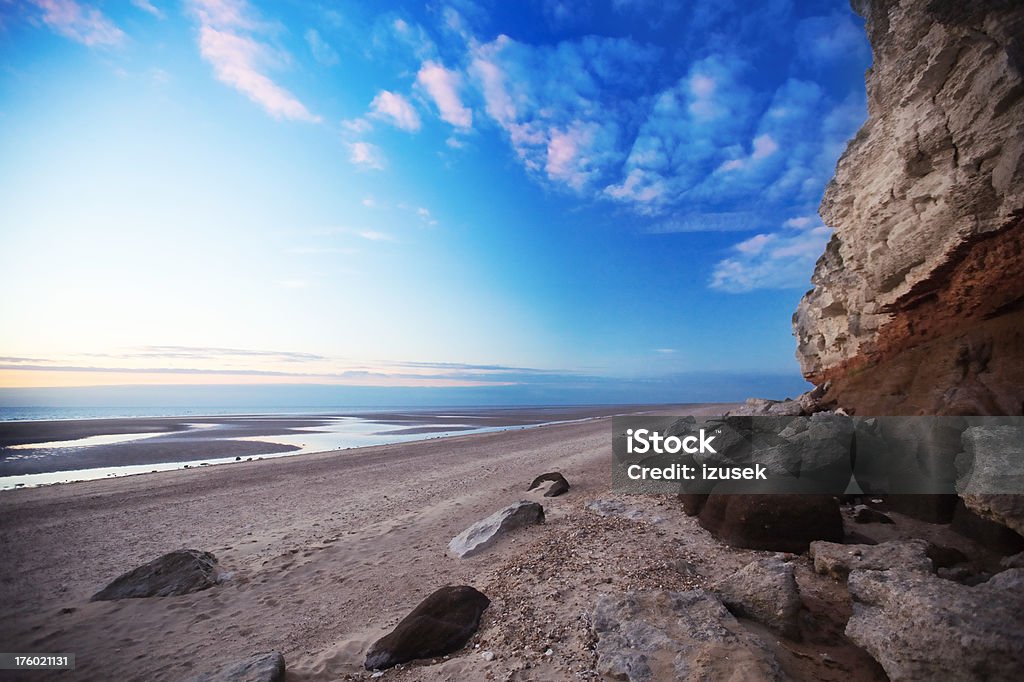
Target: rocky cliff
918	301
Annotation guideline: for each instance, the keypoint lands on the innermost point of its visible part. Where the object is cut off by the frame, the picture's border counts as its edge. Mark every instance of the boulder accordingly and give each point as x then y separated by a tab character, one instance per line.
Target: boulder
782	523
179	572
764	590
559	485
838	560
1014	561
653	636
268	667
440	624
921	627
483	534
865	514
991	478
692	502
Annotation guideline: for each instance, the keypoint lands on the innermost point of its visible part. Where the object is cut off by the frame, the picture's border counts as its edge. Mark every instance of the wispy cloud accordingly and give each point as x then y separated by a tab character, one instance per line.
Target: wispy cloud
375	236
147	6
366	155
395	109
83	24
320	48
777	260
443	87
239	59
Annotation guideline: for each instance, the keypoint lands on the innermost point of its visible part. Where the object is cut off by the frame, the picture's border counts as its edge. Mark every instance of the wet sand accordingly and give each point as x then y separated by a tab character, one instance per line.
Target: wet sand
194	438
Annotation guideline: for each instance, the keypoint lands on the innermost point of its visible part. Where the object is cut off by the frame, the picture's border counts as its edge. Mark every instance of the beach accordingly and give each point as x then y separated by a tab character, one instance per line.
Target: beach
325	553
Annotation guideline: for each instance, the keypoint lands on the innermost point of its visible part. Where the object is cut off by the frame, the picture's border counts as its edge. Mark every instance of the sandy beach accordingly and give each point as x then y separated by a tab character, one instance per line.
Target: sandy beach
328	551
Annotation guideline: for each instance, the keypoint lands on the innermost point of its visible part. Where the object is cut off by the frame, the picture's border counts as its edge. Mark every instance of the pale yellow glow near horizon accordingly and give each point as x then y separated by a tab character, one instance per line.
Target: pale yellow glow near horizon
14	378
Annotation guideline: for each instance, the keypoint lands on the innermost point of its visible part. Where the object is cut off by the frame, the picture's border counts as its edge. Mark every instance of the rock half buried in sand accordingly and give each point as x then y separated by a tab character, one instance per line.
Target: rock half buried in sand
483	534
764	590
921	627
838	560
865	514
268	667
651	636
441	624
783	523
559	486
179	572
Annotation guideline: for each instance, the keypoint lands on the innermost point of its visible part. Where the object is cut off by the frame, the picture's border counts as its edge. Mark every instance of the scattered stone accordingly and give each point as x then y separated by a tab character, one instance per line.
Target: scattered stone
622	510
179	572
919	626
483	534
441	624
782	523
661	635
764	590
559	485
838	561
865	514
757	407
487	656
268	667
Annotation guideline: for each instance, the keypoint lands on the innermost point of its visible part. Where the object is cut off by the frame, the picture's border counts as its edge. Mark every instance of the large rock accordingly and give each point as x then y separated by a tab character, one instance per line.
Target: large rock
915	306
764	590
783	523
921	627
483	534
179	572
268	667
559	486
440	624
653	636
991	470
839	560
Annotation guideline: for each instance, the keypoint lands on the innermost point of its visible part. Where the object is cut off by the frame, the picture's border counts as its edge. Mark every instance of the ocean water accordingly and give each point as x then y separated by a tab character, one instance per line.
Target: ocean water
9	414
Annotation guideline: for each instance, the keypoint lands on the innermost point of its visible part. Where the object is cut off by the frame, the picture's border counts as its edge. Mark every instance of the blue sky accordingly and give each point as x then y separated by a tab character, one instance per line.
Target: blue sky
540	200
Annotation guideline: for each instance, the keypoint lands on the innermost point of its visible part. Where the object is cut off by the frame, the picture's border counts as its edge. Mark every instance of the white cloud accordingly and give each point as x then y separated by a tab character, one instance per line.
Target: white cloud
147	6
443	87
367	155
763	147
86	25
320	48
369	202
780	260
396	110
238	60
356	126
375	236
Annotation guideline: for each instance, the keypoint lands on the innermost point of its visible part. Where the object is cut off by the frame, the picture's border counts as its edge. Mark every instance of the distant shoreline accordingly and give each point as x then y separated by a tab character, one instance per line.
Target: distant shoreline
46	452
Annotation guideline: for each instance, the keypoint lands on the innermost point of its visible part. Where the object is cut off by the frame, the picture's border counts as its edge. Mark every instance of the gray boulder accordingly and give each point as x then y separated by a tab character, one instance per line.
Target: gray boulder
483	534
764	590
179	572
838	560
651	636
991	475
440	624
559	486
268	667
921	627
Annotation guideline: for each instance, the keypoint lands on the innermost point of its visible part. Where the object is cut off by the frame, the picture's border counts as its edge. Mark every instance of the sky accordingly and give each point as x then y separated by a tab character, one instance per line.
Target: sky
538	201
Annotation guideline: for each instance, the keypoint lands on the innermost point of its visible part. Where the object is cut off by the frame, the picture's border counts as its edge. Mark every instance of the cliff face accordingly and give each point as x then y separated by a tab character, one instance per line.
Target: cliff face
918	301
